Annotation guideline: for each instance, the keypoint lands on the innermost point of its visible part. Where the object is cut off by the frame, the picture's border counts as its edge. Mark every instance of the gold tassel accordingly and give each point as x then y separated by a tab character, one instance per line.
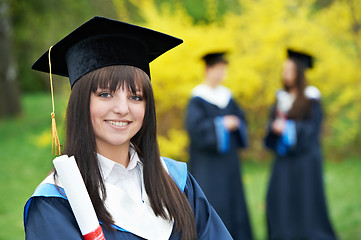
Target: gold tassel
55	143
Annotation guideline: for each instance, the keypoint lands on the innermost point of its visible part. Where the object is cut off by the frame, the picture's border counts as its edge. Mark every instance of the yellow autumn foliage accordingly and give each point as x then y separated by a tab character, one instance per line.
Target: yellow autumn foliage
256	41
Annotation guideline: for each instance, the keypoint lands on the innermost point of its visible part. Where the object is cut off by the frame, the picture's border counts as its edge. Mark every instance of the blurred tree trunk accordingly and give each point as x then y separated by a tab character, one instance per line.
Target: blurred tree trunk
9	92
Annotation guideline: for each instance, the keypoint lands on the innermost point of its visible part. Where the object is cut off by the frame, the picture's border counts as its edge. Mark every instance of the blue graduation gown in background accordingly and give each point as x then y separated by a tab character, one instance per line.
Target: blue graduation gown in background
47	217
296	205
215	164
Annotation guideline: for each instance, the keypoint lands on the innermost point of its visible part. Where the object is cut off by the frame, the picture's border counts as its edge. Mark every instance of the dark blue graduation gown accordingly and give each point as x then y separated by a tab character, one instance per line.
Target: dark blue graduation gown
218	170
48	217
296	205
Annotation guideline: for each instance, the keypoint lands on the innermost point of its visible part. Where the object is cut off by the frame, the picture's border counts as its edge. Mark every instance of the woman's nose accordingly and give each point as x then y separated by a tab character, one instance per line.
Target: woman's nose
121	105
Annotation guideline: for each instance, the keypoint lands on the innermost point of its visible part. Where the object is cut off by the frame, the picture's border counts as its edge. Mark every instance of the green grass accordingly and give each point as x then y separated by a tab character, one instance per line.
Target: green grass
255	177
343	184
24	163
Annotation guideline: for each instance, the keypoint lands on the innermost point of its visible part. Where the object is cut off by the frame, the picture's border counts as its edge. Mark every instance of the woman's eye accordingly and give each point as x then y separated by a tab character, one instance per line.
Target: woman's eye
104	95
136	98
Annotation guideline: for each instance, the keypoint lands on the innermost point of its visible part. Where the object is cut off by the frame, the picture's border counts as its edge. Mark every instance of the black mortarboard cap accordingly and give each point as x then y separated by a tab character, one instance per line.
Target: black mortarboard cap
305	58
102	42
214	57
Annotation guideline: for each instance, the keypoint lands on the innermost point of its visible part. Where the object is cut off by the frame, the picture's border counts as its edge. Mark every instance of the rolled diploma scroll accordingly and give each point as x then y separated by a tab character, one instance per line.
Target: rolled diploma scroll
77	194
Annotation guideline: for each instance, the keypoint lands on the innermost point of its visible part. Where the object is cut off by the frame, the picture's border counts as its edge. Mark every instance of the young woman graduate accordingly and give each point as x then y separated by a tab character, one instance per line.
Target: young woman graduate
296	205
111	132
217	130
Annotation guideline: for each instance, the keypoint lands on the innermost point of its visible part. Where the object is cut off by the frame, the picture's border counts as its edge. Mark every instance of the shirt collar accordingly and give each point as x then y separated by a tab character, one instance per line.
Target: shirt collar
219	96
106	164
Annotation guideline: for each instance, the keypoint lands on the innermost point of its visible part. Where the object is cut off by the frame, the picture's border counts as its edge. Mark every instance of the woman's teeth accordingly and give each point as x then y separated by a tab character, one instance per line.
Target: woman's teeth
118	124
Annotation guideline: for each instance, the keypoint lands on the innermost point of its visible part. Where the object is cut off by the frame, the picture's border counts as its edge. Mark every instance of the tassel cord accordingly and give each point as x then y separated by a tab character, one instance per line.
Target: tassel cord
55	143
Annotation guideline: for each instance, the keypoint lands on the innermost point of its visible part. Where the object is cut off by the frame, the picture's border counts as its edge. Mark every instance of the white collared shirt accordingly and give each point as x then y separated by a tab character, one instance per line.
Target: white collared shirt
219	96
127	200
128	178
285	100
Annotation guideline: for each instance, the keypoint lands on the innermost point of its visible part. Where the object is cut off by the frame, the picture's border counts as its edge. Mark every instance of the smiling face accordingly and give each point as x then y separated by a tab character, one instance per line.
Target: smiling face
116	116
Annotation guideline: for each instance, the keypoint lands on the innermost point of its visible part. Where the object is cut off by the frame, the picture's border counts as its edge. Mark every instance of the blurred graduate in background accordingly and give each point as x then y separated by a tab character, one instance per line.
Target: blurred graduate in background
217	130
296	205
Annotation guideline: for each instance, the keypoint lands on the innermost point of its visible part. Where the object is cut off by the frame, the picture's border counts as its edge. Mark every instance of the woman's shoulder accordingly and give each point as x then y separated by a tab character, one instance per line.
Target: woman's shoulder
46	196
177	170
48	187
312	92
179	173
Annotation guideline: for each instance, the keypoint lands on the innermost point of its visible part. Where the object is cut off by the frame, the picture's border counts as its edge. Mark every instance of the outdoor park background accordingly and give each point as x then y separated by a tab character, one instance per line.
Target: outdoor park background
255	33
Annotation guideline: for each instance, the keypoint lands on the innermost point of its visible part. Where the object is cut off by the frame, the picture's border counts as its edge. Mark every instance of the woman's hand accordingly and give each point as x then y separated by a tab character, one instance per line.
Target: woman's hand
278	126
231	122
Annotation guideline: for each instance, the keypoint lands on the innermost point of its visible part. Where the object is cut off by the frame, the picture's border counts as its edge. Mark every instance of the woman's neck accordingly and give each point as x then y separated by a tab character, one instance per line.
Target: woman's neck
210	83
118	154
293	91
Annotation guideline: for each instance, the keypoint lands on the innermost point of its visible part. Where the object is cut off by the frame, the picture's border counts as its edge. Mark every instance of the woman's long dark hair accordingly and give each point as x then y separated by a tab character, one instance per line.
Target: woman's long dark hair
165	197
301	106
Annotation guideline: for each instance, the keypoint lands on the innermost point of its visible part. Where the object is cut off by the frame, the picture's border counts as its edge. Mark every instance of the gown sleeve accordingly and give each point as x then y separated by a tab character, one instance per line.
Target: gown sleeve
200	127
208	133
208	223
305	129
51	218
270	140
311	128
242	130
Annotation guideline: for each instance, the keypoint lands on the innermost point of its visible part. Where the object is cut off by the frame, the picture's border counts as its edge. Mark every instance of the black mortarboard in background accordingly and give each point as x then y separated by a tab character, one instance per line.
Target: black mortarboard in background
102	42
305	58
215	57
